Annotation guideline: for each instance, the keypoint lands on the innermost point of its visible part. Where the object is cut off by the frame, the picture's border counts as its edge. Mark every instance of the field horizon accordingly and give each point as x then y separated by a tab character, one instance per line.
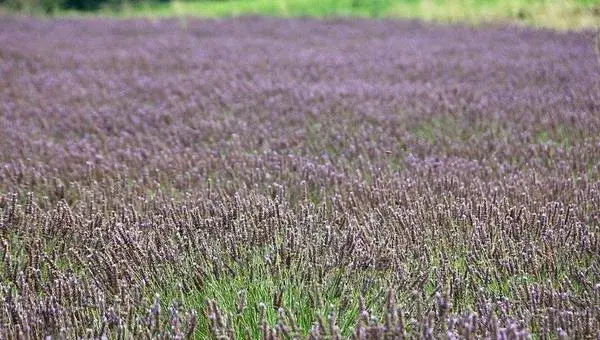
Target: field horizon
553	14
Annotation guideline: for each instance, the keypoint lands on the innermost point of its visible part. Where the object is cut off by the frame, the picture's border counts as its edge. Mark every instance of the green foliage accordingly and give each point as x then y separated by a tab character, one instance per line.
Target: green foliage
57	6
544	13
29	6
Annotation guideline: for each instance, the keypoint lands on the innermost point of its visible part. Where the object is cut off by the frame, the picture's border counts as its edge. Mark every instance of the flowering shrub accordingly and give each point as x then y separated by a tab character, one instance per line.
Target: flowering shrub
297	178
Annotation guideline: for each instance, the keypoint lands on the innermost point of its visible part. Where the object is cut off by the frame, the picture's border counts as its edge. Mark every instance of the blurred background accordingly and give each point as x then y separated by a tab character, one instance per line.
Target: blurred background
560	14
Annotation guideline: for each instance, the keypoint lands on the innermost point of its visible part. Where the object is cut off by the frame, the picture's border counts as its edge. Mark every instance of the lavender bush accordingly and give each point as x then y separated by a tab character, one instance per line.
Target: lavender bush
297	178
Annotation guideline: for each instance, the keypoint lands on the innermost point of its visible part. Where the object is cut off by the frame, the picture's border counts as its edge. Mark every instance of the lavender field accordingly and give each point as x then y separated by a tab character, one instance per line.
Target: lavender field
294	178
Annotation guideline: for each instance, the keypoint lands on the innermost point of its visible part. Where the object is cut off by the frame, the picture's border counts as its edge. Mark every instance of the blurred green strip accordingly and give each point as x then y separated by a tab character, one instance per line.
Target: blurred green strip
558	14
